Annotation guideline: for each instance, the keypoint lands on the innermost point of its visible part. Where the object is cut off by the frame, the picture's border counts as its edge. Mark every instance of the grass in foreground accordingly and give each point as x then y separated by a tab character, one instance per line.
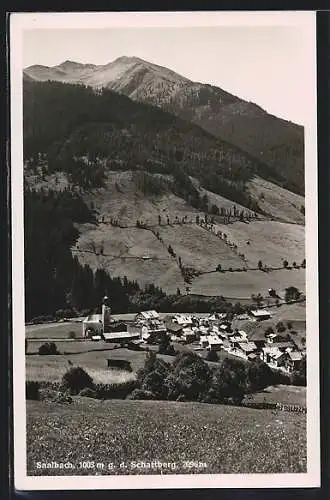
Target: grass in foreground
227	439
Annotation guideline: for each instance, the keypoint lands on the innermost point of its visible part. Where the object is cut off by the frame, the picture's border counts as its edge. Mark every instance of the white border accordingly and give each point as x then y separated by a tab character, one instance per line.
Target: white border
20	22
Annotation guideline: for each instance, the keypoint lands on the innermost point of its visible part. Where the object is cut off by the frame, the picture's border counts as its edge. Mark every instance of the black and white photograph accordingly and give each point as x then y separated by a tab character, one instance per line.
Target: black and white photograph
164	250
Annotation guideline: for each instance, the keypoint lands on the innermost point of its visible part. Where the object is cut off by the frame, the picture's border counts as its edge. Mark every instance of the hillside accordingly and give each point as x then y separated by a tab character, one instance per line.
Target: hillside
214	435
144	182
84	133
278	144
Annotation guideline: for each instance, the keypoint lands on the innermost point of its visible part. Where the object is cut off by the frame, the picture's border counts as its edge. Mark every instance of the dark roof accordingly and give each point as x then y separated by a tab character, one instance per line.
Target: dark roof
174	327
282	345
257	335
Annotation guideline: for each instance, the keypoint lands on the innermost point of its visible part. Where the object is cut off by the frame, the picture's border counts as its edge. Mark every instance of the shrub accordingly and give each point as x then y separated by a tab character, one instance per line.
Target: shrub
289	325
48	348
165	347
280	327
259	375
63	397
115	391
292	293
212	356
72	335
32	390
269	331
88	392
154	383
191	377
229	382
141	394
75	379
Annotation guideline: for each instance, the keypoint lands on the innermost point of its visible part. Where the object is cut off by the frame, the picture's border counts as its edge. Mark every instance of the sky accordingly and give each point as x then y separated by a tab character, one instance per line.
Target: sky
263	64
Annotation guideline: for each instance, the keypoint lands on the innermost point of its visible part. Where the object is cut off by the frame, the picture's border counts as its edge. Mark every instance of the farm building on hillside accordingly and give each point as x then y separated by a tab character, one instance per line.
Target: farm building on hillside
260	314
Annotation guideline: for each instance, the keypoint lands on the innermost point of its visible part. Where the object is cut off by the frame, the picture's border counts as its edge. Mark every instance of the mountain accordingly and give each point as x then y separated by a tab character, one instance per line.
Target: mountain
84	132
277	143
124	187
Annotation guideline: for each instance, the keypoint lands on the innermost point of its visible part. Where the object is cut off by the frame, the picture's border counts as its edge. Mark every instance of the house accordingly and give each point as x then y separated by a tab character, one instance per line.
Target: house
174	328
146	316
284	346
226	345
246	347
260	314
182	319
188	335
292	360
214	343
92	325
237	336
121	337
272	356
120	332
258	337
153	332
203	341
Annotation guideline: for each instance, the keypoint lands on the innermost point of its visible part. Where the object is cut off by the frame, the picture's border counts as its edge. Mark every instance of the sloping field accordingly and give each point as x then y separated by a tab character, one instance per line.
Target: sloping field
53	330
122	199
119	242
269	241
241	285
219	200
226	439
199	248
134	253
286	394
277	201
94	361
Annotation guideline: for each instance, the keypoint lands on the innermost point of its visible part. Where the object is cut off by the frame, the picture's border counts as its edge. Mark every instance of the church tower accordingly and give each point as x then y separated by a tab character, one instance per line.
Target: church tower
106	313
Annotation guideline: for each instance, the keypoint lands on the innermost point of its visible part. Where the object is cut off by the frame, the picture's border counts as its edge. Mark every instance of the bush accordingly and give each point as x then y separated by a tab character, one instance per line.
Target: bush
48	348
191	377
212	356
259	376
140	394
32	390
229	382
76	379
115	391
72	335
280	327
63	397
88	392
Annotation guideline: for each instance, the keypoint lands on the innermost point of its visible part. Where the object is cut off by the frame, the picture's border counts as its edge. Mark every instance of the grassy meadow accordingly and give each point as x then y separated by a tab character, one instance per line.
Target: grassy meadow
226	439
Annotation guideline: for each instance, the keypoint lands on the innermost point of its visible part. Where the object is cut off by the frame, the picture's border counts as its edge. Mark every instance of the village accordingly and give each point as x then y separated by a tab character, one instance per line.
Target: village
202	333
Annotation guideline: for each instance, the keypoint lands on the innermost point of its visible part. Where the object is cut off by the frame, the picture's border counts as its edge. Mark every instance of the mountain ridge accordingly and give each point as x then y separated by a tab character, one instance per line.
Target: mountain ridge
276	142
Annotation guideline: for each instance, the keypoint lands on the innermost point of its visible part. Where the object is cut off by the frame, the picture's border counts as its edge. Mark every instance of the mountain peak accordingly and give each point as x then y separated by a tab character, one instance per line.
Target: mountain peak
68	65
129	59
